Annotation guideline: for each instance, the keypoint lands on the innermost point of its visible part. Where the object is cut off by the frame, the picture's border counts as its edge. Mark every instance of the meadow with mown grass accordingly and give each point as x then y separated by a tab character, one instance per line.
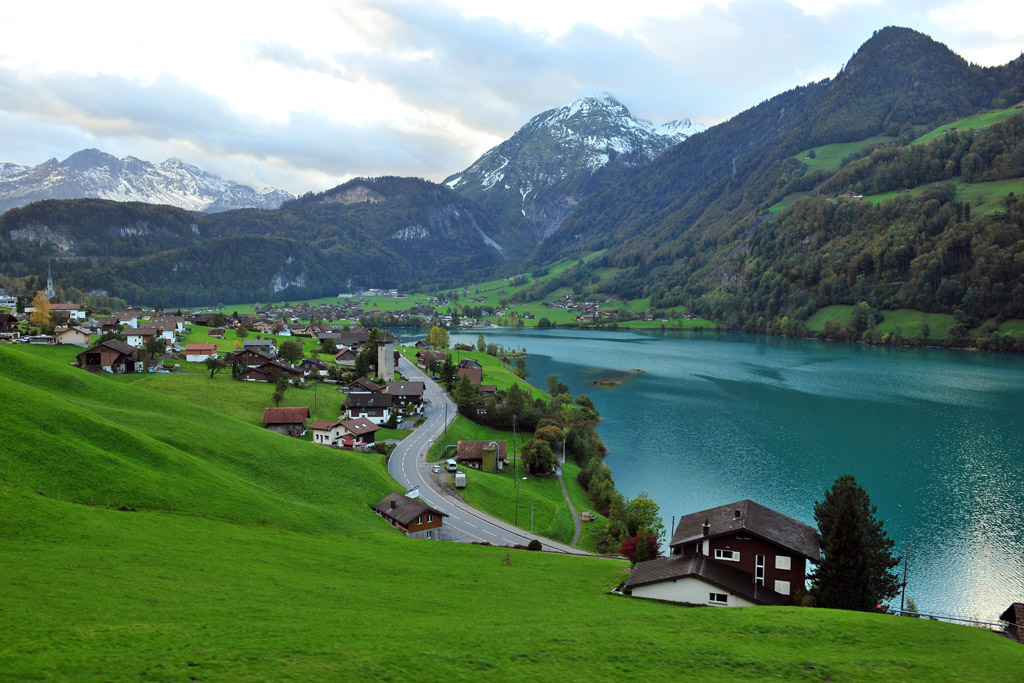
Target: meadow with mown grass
244	554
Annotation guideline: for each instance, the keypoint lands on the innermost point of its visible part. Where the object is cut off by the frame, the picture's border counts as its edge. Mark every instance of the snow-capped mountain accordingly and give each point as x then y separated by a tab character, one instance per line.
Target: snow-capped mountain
91	173
541	173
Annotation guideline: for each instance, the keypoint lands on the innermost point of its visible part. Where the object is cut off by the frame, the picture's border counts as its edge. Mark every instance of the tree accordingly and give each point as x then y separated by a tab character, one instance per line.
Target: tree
281	385
448	372
214	365
544	323
481	345
40	317
554	386
218	320
290	351
154	347
636	550
538	458
242	332
856	570
466	396
520	368
327	345
438	337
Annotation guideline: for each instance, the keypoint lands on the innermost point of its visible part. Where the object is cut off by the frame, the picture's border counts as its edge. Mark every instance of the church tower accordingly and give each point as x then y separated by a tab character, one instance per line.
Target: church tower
50	291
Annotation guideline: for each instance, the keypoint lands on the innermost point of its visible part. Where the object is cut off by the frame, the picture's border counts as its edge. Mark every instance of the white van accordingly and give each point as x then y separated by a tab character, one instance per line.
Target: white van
451	465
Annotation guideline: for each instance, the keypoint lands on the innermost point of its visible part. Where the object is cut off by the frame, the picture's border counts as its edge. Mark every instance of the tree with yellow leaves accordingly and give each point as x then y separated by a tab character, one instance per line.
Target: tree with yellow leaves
40	317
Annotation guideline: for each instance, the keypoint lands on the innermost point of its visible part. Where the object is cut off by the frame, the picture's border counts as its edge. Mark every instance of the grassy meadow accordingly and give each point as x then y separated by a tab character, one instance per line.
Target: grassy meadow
975	122
243	554
830	157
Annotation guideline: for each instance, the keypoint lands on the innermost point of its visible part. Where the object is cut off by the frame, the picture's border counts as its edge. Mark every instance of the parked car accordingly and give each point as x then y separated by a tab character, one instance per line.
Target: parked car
437	469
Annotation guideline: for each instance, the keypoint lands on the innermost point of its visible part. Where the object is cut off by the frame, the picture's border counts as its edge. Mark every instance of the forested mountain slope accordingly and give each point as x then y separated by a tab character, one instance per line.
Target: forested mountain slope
682	229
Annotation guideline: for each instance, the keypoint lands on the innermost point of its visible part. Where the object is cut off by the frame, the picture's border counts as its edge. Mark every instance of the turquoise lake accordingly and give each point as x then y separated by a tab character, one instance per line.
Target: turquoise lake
936	438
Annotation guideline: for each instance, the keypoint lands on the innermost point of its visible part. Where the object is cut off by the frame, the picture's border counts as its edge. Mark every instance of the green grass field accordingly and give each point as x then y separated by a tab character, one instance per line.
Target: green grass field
255	557
985	198
829	157
976	122
905	321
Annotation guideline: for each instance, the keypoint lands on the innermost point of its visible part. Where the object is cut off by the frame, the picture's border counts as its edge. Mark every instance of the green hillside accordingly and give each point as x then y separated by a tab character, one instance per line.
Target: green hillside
324	588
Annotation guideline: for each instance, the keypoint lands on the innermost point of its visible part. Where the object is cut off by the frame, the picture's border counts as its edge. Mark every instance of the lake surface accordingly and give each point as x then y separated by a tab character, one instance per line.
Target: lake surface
934	436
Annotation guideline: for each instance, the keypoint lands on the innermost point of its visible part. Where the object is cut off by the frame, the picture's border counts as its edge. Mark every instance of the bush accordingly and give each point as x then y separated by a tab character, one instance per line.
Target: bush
534	545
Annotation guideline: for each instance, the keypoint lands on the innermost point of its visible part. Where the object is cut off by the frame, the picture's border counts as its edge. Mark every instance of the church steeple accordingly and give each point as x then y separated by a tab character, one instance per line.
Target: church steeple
50	291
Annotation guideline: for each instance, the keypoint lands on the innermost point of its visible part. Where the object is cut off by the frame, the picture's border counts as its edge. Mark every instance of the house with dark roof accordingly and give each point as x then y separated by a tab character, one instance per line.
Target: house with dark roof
9	326
264	346
425	358
1014	618
737	554
313	366
406	393
359	432
470	363
269	372
290	421
375	407
476	375
346	358
114	356
361	385
411	516
486	456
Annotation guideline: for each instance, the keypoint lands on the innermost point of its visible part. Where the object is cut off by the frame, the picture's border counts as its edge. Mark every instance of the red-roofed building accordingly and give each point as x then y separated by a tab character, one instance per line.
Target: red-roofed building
290	421
197	353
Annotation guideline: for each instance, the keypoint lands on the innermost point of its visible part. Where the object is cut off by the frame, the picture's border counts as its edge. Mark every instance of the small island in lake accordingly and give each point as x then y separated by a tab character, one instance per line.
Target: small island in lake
612	382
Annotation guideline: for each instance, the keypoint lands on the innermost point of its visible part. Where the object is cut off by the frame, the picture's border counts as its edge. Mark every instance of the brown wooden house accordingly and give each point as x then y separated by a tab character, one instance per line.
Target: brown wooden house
112	356
411	516
290	421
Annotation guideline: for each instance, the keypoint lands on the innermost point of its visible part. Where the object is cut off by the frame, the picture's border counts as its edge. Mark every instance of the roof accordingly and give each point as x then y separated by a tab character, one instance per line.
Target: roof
323	425
1014	614
138	332
368	401
476	375
746	515
405	388
257	342
360	426
65	307
719	574
406	509
363	383
474	450
200	347
276	416
431	355
62	330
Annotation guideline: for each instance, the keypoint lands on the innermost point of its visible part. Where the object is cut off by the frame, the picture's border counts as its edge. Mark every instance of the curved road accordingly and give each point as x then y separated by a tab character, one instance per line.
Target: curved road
408	465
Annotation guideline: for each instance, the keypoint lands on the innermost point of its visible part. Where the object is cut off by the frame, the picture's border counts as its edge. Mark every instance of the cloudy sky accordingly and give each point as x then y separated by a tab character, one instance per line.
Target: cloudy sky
306	95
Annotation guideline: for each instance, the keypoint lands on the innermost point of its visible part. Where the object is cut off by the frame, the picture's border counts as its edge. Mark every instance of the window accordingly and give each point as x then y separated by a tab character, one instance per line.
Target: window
419	520
430	535
783	562
782	587
731	555
718	598
430	518
759	570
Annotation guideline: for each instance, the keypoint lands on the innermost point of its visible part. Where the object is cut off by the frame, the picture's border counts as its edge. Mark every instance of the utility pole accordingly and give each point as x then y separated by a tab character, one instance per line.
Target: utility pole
515	467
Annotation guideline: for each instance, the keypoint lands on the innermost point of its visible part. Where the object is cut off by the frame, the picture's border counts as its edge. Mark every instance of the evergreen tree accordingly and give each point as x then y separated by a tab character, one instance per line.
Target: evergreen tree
466	395
448	373
856	571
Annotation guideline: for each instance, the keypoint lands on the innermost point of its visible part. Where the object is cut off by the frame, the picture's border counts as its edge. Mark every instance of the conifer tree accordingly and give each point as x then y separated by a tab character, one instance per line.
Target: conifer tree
856	571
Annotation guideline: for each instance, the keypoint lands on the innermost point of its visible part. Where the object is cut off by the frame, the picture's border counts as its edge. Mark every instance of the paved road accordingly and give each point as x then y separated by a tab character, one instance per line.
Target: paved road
408	465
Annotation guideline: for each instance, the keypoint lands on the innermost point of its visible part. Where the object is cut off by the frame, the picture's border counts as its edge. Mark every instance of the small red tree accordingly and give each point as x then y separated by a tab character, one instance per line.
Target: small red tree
637	550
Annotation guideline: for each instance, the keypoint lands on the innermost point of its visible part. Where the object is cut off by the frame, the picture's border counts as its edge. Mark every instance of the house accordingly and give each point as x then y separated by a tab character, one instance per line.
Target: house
198	353
112	356
126	319
470	363
204	319
345	358
375	407
425	358
247	357
313	366
264	346
9	326
327	432
75	336
361	385
162	330
406	393
487	390
737	554
486	456
411	516
359	432
139	337
217	333
290	421
269	372
264	327
178	321
69	311
1014	617
8	300
424	344
476	375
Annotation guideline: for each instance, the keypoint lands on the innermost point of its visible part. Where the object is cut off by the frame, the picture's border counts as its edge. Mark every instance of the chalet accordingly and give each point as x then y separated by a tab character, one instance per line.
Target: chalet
8	326
112	356
204	319
737	554
106	324
476	375
425	358
126	319
361	385
486	456
359	432
264	346
290	421
424	344
249	358
464	347
411	516
375	407
487	390
269	372
406	393
69	311
313	366
470	363
345	358
74	336
162	330
198	353
138	337
327	433
8	300
1014	618
216	333
264	326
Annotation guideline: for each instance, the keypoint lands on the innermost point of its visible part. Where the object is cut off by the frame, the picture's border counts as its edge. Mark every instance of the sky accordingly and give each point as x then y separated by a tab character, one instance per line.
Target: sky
304	96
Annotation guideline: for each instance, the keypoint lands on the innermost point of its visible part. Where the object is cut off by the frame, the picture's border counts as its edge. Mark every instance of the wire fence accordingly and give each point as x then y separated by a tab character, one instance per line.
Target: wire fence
954	619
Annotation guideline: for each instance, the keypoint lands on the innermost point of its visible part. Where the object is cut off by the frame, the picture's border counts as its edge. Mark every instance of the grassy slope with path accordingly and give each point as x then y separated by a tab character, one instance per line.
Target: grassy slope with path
97	594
